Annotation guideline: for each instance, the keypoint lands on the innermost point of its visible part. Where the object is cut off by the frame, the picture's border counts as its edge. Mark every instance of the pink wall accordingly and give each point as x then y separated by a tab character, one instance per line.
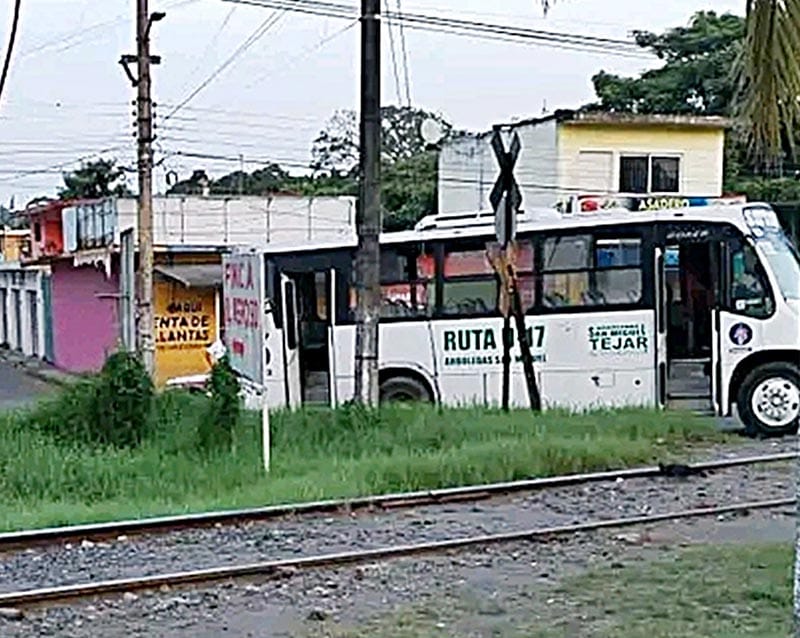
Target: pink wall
85	322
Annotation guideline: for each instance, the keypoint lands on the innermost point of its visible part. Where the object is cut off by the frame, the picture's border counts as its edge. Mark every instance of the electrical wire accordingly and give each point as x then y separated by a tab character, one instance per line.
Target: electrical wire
404	49
262	29
211	44
453	26
393	51
291	62
11	40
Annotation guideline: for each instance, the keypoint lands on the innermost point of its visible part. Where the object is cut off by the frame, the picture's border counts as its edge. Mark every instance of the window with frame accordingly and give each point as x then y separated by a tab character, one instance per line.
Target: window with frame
642	174
583	270
469	283
750	292
407	282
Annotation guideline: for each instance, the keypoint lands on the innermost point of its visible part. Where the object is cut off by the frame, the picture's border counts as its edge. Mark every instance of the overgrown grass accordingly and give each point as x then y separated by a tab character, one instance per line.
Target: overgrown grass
315	454
729	591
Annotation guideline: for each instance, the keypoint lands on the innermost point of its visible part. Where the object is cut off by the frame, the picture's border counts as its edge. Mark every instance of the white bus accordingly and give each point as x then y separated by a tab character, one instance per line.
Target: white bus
696	307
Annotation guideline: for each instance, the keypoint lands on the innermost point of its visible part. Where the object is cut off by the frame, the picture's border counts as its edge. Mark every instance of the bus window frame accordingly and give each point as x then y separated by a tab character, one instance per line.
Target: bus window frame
418	247
473	243
641	231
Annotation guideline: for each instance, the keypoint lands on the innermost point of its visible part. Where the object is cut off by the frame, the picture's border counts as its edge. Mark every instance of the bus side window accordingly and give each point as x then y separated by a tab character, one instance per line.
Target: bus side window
750	294
407	282
582	270
469	286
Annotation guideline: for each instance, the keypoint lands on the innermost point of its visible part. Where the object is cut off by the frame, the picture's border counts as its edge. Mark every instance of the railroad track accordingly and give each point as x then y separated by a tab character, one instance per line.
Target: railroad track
287	566
99	531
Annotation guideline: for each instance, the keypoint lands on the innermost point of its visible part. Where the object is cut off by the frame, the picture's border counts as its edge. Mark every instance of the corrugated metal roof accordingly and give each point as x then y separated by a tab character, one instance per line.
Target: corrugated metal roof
193	275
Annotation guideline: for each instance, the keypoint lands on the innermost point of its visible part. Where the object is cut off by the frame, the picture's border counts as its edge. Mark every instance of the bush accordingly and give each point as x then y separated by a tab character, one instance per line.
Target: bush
111	408
123	400
224	408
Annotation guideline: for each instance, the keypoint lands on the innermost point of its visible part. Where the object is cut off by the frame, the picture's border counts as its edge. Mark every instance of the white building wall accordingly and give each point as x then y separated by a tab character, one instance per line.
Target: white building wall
21	296
234	221
468	169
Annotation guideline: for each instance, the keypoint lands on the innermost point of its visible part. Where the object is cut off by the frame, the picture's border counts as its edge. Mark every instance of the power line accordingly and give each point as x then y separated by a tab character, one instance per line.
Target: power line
262	29
453	26
11	40
393	51
405	56
78	36
62	165
211	44
289	64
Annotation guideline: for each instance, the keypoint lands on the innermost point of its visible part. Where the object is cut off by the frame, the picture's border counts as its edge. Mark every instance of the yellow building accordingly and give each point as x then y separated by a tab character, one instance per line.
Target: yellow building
653	156
613	159
187	299
13	244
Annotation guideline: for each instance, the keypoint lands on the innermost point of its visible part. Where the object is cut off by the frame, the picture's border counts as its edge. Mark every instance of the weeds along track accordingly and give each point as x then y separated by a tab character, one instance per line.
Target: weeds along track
65	564
385	502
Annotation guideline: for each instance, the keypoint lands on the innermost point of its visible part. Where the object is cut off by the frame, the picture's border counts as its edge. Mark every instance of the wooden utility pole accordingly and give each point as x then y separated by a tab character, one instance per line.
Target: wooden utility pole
368	216
144	117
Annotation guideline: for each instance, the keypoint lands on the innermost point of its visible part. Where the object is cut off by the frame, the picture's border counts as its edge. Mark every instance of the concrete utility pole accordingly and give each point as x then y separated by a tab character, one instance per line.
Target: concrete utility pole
144	116
368	216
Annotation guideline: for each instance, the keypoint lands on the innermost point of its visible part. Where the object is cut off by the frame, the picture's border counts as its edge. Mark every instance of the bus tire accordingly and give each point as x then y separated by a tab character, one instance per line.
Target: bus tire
769	400
403	389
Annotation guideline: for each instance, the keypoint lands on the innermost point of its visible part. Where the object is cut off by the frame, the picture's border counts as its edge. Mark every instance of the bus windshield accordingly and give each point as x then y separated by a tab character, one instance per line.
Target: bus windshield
784	262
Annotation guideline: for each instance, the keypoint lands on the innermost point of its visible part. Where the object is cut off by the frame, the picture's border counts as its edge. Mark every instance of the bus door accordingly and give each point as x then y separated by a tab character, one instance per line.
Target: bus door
661	359
332	393
291	341
308	309
691	272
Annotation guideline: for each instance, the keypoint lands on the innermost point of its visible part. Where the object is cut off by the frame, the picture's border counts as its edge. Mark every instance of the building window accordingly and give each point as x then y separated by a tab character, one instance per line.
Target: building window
649	174
580	270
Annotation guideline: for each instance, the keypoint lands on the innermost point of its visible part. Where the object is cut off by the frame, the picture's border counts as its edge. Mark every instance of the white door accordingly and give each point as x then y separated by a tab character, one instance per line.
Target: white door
291	342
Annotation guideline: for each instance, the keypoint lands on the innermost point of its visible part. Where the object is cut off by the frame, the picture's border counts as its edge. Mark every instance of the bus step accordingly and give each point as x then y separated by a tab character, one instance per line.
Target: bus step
702	404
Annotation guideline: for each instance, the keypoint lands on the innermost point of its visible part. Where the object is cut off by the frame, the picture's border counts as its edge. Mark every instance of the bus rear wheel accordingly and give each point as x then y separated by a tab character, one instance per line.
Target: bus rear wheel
403	390
769	400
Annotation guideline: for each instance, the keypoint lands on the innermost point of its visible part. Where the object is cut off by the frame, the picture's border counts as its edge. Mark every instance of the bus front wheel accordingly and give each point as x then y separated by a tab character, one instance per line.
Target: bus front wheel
403	389
769	400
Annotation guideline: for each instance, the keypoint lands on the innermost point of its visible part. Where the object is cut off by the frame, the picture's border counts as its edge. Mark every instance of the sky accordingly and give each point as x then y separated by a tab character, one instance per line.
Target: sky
68	99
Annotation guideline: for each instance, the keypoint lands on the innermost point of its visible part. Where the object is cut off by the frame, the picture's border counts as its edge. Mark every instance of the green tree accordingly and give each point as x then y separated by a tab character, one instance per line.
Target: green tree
193	185
696	77
94	180
335	150
408	190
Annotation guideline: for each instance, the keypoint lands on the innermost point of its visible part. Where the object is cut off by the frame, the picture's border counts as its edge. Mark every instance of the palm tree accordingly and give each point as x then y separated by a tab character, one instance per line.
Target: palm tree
769	77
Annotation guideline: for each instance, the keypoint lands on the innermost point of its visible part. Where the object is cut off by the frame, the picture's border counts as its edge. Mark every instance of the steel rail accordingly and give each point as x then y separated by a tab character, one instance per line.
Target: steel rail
27	538
288	566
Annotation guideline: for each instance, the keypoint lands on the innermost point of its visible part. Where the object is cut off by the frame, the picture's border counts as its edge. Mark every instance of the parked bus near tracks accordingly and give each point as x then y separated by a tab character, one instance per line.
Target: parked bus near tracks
696	308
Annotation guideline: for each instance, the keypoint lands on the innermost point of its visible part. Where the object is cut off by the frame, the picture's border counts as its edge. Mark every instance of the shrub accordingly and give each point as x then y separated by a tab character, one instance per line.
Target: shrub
111	408
224	407
123	399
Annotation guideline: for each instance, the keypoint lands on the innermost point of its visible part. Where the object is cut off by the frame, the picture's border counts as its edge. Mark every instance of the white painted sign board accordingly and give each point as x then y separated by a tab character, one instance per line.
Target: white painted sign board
244	294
